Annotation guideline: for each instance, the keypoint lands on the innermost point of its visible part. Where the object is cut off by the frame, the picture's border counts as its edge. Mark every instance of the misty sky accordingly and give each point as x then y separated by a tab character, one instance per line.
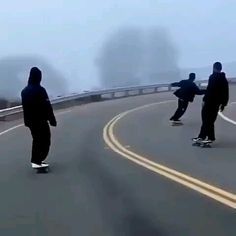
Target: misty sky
70	33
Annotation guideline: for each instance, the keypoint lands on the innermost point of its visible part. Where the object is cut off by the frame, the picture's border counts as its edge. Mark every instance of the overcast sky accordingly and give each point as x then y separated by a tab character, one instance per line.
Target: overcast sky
69	33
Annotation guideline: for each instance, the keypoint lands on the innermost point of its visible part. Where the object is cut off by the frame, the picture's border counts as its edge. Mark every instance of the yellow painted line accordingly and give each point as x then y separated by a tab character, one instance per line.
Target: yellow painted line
220	195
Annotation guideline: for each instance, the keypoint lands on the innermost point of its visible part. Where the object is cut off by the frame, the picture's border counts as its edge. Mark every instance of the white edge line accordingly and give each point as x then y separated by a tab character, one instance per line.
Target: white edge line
12	128
227	118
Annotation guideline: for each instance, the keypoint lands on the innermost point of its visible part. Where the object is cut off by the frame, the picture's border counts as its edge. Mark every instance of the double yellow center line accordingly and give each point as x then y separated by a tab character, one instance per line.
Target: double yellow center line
220	195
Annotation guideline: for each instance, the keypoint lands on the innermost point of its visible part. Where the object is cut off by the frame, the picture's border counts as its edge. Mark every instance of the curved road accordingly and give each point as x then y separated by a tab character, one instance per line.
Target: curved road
96	188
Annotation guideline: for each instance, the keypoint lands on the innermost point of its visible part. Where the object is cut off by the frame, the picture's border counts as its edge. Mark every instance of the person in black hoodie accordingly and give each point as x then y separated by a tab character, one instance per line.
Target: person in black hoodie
185	94
38	112
215	99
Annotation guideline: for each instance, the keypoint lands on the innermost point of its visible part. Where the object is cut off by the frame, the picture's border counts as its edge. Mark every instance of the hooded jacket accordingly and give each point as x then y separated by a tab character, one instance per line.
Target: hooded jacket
217	92
36	105
187	91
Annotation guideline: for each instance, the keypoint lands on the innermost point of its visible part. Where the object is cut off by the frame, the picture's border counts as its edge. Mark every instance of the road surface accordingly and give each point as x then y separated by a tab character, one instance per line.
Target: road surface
93	189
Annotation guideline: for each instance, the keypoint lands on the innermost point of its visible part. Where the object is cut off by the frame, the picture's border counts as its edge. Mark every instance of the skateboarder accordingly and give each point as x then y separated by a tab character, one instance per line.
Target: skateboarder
185	94
215	99
37	113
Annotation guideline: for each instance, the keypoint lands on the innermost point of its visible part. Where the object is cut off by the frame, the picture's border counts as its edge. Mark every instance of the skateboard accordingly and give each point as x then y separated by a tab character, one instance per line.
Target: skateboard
42	170
202	144
176	123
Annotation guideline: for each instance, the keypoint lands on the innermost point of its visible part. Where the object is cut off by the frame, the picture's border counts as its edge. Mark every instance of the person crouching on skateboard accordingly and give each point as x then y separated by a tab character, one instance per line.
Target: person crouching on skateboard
215	99
185	94
38	112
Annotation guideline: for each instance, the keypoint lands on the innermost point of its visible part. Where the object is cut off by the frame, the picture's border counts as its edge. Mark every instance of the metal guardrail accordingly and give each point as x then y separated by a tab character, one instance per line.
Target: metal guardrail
112	94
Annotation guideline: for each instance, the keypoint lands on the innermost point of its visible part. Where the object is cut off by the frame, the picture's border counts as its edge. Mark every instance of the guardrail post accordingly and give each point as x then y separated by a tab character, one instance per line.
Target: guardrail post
140	91
169	87
156	90
113	95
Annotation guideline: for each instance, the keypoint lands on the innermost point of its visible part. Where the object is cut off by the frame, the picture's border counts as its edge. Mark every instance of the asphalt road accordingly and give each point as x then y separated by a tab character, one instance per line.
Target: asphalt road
92	190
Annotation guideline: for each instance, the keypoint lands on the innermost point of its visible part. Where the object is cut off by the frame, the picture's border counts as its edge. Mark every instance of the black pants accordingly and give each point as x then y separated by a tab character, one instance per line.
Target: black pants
209	116
41	142
182	107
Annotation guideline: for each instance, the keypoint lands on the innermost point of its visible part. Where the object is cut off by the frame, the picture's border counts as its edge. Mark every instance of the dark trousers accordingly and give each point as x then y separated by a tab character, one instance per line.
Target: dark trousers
41	142
182	107
209	116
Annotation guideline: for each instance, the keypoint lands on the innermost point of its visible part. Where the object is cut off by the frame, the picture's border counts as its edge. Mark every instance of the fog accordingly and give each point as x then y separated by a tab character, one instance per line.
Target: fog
85	45
14	73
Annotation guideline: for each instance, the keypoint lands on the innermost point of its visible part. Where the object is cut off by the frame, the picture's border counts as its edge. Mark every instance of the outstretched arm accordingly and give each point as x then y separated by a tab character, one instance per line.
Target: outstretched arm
176	84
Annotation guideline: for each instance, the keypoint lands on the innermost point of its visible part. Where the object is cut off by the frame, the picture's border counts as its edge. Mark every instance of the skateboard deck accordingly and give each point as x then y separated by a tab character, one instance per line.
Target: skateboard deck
42	170
202	144
176	123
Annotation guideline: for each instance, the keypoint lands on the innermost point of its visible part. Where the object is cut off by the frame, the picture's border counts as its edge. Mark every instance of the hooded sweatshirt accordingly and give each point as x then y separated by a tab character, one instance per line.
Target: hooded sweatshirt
217	92
36	105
